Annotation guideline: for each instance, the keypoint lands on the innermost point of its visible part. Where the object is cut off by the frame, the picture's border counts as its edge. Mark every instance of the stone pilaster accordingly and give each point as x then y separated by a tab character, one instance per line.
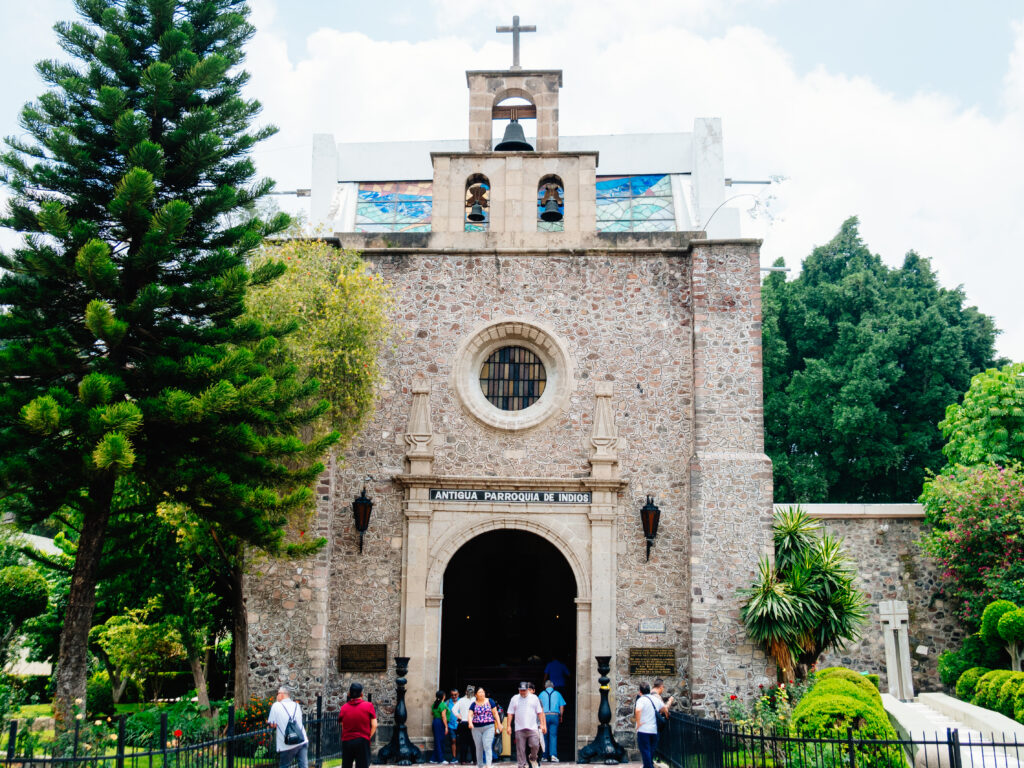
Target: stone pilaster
730	476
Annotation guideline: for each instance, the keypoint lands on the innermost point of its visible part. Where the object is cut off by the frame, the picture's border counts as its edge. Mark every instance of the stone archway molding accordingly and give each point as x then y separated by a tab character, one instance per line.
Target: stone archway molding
557	534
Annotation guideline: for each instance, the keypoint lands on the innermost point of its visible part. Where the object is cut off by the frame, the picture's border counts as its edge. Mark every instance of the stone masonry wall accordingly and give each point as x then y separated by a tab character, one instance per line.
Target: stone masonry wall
625	317
892	566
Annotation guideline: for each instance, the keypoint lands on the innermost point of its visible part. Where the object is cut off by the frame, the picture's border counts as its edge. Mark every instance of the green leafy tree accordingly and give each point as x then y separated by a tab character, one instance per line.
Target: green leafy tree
136	647
1011	630
988	426
974	517
125	359
803	603
23	595
860	362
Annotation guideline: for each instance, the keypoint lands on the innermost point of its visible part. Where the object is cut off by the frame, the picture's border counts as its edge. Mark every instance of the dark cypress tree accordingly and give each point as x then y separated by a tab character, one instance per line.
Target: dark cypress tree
127	374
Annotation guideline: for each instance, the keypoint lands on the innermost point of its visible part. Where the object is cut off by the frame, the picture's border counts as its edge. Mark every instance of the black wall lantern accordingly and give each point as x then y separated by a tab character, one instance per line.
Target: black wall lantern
649	516
362	506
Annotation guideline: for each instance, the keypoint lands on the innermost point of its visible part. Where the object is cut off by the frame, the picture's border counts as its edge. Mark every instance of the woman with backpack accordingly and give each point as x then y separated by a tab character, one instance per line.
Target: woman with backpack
648	708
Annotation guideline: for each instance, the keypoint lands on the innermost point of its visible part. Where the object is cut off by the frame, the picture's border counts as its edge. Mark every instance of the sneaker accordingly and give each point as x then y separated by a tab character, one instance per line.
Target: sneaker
554	759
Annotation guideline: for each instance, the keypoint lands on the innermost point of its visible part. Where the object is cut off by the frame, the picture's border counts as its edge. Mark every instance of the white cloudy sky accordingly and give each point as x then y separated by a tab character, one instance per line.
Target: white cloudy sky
906	113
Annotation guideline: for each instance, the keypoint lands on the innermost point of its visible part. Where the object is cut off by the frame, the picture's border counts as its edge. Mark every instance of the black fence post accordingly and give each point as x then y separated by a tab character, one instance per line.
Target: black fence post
120	740
163	737
230	752
12	740
851	747
953	742
318	747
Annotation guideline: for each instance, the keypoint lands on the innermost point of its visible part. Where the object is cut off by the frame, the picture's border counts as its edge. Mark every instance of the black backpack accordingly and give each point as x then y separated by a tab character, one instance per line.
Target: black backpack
292	731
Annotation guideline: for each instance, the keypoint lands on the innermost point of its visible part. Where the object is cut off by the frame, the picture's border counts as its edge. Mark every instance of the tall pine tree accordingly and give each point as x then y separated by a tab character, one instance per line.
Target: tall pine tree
128	375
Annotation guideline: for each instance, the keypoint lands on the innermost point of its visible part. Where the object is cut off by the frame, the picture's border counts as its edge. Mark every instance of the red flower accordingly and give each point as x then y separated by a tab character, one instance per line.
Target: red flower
733	697
177	733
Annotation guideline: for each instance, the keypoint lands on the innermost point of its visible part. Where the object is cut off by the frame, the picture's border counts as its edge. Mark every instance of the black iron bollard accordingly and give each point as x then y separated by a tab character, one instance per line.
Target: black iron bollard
604	748
400	750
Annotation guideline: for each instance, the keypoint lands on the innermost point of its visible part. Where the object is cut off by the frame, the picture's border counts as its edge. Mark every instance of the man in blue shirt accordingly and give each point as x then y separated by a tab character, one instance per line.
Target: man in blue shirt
557	673
554	711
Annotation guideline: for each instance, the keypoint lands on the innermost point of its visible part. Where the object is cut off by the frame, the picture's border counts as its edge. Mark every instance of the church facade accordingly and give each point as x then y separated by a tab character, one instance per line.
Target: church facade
575	348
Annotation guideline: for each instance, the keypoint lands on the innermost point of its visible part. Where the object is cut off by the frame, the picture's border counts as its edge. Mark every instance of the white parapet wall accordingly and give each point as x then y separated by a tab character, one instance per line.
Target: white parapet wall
859	511
990	724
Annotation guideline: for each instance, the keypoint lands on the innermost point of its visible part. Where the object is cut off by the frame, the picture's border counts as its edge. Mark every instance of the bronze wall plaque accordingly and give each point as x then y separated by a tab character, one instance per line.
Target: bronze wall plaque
652	662
363	658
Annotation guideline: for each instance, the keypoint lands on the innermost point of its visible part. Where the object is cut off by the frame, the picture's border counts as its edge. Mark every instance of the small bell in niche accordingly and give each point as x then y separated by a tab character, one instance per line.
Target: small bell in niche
476	202
551	203
514	139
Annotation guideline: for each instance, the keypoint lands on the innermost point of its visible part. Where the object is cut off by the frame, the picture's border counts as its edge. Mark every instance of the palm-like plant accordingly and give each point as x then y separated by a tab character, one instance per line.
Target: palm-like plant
805	602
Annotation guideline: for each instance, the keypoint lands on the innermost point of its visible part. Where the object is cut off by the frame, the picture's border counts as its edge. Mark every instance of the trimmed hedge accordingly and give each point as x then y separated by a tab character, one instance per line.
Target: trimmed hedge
1008	694
857	679
873	679
987	690
840	686
968	682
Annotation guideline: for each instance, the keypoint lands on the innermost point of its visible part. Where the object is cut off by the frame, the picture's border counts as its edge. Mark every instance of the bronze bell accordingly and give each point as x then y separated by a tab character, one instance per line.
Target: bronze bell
514	139
551	212
476	213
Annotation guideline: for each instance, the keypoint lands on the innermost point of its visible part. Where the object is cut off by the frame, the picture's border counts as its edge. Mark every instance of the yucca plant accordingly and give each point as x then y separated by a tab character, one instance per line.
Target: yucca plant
805	602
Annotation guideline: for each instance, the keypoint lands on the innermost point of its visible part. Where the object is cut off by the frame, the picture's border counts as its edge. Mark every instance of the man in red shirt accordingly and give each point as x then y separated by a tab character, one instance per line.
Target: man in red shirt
358	722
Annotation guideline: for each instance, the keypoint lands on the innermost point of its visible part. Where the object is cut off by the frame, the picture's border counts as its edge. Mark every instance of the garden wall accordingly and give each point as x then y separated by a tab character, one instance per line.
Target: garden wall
883	540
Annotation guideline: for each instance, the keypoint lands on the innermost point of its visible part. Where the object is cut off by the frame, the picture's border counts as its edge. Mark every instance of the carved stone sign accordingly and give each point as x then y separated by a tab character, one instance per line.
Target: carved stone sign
511	497
363	658
652	626
652	662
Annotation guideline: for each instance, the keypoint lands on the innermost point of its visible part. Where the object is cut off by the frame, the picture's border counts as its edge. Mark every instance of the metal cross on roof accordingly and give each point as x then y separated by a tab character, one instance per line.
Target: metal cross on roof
515	29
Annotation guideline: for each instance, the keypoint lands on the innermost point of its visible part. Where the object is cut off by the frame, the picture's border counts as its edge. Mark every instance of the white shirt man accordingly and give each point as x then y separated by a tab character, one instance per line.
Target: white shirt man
283	710
527	717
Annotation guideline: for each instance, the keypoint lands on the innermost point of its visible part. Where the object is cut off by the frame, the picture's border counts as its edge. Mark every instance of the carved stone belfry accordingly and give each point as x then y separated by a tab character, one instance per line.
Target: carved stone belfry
604	439
419	434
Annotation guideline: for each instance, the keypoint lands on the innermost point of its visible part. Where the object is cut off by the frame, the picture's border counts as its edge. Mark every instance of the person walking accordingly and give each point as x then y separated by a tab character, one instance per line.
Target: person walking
463	737
439	724
282	712
557	673
483	724
358	722
554	711
648	705
526	718
453	724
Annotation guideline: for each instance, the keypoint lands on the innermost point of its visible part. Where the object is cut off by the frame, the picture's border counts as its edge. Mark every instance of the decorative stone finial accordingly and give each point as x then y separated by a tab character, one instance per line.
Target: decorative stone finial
604	438
419	435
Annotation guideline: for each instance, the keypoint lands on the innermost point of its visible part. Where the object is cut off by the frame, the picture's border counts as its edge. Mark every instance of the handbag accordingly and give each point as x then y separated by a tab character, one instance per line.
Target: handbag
660	719
292	731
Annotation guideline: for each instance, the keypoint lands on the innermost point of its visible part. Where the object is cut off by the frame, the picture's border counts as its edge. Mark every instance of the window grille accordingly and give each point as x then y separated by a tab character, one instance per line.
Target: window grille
513	378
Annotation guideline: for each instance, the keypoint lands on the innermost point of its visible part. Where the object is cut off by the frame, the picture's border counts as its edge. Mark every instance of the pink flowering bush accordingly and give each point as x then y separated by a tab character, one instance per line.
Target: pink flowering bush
975	528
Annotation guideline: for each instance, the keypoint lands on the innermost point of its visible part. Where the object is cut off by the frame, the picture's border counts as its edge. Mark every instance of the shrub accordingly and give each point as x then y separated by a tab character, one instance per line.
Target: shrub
873	679
1008	694
829	716
968	682
857	679
1018	705
838	686
32	687
99	696
987	690
990	619
975	652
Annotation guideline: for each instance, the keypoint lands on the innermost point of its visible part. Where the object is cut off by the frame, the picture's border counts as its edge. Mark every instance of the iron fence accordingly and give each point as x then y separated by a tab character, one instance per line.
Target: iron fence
693	742
91	746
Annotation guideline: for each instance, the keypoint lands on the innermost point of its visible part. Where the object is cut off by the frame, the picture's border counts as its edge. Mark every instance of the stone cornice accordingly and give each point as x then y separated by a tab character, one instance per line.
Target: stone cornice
470	482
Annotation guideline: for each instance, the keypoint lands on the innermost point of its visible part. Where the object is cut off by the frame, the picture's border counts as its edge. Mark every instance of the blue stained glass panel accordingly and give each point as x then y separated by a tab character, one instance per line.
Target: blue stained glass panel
476	227
398	206
638	185
654	225
653	208
613	186
410	212
614	226
550	226
608	210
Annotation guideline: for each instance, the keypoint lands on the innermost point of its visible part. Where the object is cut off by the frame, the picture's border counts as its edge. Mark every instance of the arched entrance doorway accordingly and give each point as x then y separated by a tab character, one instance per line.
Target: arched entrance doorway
509	609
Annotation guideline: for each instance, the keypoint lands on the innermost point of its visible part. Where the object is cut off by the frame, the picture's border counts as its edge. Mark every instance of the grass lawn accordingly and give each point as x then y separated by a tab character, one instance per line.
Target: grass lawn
46	710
